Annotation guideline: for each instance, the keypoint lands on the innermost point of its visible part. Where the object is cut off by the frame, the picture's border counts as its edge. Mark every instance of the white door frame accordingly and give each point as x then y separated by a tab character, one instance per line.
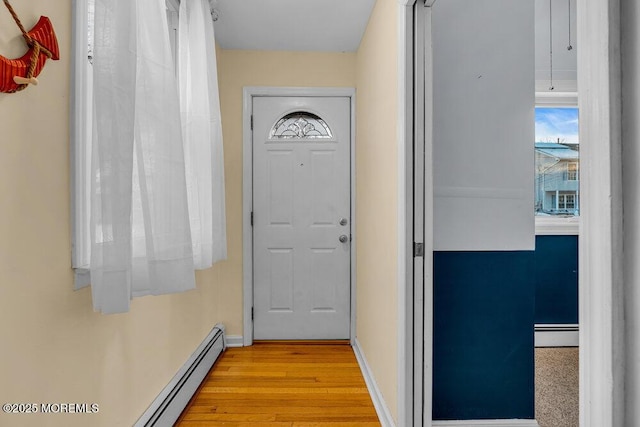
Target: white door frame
247	193
601	300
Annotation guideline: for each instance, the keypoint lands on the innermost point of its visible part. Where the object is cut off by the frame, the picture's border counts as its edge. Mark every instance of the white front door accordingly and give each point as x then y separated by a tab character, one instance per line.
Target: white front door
301	217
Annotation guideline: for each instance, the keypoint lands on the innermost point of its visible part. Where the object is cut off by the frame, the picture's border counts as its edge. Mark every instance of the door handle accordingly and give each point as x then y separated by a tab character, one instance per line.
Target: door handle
344	238
344	221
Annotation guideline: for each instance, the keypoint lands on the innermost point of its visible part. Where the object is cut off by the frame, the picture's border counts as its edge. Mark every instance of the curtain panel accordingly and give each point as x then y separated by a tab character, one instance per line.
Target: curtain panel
143	183
202	132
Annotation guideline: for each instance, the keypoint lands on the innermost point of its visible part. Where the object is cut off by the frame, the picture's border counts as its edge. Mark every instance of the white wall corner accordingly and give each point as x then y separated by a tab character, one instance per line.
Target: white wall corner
549	226
486	423
386	419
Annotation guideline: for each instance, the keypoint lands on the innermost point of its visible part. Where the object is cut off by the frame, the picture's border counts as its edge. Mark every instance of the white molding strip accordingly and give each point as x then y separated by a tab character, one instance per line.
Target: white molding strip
486	423
601	253
549	226
557	335
406	359
557	99
376	395
234	341
167	407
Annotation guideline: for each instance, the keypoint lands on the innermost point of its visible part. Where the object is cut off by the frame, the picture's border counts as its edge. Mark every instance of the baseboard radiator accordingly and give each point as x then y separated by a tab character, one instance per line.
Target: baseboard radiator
167	407
557	335
487	423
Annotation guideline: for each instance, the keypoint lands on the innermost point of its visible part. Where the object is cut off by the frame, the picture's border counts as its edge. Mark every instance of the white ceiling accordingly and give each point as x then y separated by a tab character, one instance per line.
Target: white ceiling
565	64
338	26
298	25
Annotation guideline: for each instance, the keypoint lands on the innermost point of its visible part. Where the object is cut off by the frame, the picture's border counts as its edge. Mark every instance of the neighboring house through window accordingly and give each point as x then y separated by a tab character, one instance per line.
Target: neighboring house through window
557	161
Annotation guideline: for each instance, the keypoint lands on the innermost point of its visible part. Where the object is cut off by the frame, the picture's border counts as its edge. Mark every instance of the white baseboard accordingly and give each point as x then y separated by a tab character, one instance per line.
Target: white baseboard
167	407
234	340
556	335
486	423
376	396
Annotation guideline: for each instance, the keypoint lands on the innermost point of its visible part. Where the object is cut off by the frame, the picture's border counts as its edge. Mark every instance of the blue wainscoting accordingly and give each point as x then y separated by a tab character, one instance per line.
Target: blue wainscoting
483	361
556	280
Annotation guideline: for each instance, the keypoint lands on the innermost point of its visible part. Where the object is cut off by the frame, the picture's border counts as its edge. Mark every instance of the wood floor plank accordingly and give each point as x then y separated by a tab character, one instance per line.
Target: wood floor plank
234	408
283	384
300	400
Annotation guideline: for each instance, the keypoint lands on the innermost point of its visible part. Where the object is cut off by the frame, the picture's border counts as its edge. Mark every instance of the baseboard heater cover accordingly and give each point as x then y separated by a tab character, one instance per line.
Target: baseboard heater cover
557	335
167	407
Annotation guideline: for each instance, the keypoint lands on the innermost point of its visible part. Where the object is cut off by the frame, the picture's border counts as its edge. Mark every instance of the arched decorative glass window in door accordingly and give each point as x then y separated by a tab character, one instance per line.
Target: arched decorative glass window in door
300	125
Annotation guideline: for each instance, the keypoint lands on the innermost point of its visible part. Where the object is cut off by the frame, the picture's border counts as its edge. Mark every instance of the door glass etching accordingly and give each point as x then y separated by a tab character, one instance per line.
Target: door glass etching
300	125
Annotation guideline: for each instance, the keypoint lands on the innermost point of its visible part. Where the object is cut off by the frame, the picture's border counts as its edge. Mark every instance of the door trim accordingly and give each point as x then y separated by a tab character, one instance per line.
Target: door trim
249	93
410	355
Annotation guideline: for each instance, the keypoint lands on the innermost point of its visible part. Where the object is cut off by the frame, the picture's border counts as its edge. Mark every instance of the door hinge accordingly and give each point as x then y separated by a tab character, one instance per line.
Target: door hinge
252	218
252	313
252	122
418	249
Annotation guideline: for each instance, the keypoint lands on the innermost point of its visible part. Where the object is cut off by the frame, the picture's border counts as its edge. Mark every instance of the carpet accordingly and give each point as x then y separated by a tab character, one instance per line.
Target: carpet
557	386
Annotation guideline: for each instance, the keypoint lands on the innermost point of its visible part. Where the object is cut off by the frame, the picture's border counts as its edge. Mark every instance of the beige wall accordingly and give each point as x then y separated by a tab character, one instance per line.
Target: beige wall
54	347
240	68
376	198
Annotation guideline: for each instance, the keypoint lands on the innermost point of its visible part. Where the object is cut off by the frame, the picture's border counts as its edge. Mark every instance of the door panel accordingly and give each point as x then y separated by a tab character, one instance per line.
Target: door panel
301	192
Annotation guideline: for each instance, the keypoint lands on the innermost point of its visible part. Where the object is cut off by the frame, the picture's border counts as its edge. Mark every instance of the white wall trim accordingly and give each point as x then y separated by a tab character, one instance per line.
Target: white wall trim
601	281
384	414
486	423
247	208
557	99
247	190
557	335
78	127
169	404
406	349
416	68
234	341
550	226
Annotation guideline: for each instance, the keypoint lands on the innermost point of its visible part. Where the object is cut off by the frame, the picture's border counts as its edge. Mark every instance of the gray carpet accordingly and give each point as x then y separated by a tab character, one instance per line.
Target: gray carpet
557	387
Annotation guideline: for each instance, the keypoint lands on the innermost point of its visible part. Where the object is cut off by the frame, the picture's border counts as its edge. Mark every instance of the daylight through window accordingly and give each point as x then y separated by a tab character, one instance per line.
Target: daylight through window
557	162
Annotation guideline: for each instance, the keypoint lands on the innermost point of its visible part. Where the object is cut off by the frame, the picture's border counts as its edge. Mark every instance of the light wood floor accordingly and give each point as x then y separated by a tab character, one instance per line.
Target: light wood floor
283	384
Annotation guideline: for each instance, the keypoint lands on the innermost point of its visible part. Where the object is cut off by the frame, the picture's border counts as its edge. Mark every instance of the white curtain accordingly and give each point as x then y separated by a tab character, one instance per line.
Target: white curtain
141	237
202	132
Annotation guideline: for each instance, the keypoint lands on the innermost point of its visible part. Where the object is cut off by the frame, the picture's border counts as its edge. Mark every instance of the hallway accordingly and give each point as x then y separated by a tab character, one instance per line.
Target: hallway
283	384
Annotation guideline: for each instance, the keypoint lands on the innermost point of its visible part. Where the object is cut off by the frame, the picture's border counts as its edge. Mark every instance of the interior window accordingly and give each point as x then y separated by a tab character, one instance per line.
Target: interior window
557	162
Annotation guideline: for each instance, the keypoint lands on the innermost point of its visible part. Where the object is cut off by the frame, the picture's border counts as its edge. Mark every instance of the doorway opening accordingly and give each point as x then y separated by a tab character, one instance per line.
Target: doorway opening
299	231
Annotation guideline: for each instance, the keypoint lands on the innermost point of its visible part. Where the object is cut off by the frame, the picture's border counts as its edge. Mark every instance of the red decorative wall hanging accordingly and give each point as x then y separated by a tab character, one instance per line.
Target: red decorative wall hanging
17	74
